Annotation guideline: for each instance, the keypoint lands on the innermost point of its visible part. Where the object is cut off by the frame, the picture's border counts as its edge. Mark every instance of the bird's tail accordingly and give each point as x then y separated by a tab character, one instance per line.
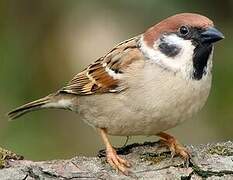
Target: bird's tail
50	101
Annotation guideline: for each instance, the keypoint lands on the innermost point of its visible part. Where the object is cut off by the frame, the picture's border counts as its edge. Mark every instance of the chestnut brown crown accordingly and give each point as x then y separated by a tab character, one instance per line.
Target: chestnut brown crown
173	23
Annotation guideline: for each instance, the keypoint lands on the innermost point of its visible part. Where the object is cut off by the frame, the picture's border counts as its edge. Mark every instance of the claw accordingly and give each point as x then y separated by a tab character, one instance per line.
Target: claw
113	159
117	162
175	147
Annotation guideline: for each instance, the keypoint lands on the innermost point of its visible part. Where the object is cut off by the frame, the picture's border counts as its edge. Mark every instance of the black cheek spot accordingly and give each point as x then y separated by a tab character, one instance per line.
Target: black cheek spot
169	50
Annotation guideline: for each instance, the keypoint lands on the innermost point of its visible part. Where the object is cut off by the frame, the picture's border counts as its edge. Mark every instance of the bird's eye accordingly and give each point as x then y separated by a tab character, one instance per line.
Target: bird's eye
184	30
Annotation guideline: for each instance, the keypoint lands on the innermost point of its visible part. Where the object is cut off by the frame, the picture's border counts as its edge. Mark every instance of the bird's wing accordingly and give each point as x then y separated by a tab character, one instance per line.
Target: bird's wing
104	75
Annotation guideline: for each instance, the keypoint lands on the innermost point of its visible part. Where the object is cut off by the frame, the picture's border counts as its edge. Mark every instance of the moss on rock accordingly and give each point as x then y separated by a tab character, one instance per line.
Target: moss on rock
6	155
221	150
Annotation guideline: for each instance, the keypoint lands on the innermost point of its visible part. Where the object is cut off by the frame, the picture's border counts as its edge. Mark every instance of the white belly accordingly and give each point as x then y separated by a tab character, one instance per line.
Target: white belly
147	107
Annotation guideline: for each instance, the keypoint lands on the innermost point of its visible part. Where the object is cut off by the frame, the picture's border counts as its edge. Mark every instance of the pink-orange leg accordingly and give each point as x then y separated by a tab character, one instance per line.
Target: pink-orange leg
175	147
112	158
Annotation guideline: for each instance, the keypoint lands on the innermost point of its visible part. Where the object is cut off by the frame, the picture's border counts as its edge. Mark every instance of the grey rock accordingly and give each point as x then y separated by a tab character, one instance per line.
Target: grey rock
149	160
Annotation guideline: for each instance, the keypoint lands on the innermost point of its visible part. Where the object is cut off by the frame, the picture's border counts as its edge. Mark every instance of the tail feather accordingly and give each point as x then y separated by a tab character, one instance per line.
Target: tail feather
32	106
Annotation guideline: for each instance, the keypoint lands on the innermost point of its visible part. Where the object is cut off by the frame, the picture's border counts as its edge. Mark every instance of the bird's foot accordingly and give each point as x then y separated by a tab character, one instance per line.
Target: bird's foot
117	162
175	147
112	158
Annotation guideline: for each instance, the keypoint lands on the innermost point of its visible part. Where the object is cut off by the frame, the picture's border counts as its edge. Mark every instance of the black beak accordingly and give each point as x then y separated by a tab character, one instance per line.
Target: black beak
211	35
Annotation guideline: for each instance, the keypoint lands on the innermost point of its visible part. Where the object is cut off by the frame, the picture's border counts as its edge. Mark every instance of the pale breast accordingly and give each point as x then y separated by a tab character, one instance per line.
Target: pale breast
156	100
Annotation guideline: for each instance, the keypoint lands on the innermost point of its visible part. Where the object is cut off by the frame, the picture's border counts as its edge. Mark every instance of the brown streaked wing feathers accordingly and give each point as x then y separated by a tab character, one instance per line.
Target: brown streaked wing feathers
96	79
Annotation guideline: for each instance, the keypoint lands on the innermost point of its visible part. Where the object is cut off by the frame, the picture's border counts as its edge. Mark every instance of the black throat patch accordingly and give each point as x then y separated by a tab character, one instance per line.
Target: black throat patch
200	60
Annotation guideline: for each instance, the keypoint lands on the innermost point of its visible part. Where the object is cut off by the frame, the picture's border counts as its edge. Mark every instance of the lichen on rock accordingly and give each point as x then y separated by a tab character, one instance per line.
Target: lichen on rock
6	155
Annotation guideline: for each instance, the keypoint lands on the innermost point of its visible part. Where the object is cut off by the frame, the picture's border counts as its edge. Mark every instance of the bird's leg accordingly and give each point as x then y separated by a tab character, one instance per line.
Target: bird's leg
112	158
175	147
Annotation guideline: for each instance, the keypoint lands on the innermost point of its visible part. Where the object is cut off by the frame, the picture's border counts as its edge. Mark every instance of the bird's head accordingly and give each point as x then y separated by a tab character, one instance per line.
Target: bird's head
183	42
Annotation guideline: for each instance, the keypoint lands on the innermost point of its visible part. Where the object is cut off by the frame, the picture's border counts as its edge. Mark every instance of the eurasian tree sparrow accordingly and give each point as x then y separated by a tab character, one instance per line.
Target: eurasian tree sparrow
143	86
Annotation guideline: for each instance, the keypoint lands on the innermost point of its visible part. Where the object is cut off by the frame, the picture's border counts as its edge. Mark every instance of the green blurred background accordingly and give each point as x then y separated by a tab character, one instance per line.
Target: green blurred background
44	43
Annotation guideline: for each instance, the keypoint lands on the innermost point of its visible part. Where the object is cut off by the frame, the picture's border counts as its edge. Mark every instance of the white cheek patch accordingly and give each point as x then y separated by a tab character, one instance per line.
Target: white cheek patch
181	62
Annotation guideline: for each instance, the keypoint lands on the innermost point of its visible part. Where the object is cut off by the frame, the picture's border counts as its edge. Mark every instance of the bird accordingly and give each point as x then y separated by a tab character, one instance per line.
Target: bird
144	85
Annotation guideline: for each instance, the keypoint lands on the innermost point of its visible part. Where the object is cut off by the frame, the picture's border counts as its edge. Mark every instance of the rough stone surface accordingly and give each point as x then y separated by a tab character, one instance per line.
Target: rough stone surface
149	160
